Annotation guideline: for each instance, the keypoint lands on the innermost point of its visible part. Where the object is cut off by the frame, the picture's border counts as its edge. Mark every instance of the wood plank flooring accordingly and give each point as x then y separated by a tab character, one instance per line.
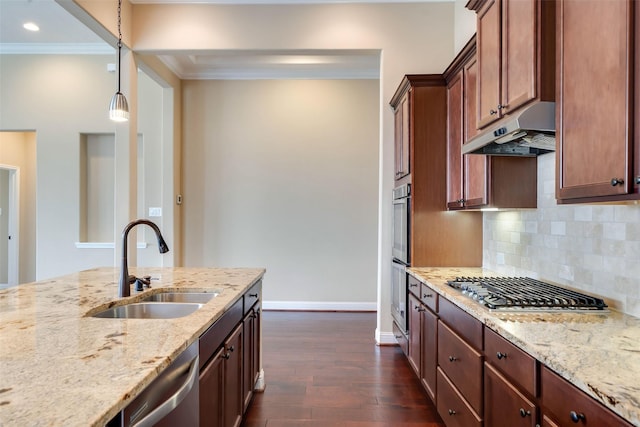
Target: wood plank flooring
323	369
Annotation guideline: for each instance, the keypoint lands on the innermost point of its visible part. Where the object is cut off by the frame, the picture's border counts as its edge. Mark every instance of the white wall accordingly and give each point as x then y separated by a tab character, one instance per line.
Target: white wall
282	174
465	24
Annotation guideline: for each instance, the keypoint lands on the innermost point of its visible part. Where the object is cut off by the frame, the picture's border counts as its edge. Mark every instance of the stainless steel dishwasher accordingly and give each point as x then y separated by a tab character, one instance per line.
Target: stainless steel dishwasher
172	399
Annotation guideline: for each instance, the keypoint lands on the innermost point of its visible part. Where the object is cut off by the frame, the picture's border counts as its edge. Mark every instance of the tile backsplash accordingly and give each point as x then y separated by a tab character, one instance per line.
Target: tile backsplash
594	248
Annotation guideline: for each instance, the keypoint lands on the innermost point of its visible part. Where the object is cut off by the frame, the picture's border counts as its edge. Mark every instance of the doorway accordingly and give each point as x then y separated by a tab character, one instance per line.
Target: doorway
9	227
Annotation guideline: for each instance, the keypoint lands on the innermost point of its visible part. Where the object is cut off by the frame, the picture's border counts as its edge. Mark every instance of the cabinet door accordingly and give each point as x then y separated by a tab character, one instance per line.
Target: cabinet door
455	177
212	392
489	62
594	102
415	308
402	137
233	402
475	165
256	349
504	404
519	58
248	323
429	352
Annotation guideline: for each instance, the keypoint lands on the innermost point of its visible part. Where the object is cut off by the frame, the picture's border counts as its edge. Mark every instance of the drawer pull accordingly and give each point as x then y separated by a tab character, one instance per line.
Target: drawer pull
413	285
524	413
452	412
253	295
418	308
427	295
501	355
577	416
226	356
452	358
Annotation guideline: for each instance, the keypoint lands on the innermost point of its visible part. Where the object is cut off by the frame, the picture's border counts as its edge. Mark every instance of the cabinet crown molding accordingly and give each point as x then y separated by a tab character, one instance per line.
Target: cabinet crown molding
475	5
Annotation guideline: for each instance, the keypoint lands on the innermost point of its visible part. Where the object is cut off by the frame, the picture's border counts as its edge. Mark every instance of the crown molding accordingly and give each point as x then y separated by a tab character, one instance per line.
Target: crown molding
56	49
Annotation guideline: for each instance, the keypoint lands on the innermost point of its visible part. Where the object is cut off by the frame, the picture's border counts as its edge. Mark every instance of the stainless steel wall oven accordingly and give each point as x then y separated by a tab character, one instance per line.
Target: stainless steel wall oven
401	255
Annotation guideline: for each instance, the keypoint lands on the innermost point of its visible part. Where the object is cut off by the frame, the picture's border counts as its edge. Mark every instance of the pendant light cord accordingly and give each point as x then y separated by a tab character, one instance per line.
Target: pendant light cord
119	41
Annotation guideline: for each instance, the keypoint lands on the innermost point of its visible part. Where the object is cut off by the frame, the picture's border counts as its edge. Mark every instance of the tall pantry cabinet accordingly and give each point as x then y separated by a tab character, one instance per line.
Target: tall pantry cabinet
437	237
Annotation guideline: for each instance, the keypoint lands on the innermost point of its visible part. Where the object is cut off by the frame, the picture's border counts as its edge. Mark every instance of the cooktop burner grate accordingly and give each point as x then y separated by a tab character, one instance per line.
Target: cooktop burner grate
499	293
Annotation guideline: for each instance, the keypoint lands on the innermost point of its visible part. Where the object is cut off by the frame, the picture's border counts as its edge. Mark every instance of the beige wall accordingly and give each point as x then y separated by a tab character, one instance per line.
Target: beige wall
282	174
61	97
465	24
18	149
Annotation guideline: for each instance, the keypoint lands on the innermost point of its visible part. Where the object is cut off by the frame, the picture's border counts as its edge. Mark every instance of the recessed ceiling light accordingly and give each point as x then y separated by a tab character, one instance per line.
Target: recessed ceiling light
30	26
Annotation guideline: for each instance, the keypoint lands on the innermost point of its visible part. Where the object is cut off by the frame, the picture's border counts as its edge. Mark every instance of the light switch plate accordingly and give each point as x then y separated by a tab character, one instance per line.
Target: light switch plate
155	212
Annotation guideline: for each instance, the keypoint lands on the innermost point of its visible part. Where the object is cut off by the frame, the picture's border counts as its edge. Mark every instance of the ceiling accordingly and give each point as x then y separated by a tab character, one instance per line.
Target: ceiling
62	33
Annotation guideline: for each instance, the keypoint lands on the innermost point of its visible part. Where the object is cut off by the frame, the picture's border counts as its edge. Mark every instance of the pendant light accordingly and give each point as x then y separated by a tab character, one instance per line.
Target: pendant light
119	108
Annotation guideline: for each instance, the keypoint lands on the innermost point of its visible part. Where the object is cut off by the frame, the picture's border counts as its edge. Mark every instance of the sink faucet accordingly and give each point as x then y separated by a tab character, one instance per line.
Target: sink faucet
125	279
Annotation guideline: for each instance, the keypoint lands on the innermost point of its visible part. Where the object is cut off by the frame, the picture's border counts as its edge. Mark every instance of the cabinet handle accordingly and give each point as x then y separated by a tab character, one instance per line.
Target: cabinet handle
616	181
452	358
577	416
253	295
493	112
226	356
427	295
524	413
420	309
501	355
413	285
638	180
231	349
452	412
502	107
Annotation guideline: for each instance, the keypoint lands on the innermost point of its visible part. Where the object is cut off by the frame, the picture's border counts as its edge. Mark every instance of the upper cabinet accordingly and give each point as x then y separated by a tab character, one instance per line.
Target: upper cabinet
598	156
402	135
477	181
516	55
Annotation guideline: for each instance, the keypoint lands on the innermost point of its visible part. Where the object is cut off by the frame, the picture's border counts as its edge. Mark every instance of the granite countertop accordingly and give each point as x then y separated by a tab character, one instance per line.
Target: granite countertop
60	367
598	353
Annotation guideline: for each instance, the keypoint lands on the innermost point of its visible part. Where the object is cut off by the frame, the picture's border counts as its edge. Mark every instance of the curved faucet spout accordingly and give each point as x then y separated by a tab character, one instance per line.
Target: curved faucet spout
125	279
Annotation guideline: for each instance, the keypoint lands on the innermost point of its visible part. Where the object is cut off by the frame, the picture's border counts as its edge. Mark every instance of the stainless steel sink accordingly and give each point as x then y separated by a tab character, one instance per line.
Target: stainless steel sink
150	310
183	297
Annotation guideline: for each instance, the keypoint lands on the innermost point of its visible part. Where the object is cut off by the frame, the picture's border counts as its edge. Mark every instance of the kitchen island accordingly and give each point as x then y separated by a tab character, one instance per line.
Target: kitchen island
597	352
60	366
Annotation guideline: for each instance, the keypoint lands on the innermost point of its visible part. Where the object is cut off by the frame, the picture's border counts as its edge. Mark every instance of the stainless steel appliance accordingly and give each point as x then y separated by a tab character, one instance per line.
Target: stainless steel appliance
172	399
401	212
523	294
401	255
399	296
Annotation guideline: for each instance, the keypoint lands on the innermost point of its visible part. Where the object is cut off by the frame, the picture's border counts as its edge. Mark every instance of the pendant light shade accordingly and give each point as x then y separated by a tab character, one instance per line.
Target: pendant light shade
119	108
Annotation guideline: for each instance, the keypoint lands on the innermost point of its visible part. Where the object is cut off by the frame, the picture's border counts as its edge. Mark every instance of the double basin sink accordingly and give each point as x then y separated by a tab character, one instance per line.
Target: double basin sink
162	305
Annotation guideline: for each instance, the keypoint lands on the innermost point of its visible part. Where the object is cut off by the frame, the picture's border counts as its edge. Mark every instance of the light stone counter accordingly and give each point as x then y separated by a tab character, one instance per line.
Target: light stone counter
598	353
61	368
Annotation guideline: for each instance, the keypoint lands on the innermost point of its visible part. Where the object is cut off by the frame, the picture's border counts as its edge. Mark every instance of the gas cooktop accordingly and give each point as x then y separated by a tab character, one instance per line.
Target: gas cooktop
524	294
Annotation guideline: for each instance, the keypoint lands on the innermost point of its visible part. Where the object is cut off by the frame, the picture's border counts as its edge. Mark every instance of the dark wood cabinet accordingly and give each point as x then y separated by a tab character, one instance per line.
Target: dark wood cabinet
504	404
429	352
516	55
565	405
597	158
477	181
415	332
437	238
230	352
451	405
402	134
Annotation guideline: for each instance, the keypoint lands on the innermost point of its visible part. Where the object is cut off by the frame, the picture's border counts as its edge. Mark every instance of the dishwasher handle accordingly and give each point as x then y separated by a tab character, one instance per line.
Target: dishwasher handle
172	403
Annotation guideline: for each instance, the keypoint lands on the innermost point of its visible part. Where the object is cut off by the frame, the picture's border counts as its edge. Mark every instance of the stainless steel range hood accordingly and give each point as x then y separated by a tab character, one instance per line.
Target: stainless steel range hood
529	132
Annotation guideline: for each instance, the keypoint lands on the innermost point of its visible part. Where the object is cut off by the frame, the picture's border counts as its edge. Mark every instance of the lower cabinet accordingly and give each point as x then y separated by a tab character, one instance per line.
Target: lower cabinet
230	362
478	378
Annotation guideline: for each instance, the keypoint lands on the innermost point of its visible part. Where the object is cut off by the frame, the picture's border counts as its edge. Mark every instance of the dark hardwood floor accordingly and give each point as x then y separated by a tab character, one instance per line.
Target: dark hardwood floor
325	370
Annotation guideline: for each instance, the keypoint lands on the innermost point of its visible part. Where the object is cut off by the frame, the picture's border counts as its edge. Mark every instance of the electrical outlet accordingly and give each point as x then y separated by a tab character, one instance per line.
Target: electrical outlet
155	212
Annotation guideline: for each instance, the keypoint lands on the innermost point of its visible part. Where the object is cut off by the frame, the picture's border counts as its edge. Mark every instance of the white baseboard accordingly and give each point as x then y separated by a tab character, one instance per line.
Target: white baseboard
385	338
319	306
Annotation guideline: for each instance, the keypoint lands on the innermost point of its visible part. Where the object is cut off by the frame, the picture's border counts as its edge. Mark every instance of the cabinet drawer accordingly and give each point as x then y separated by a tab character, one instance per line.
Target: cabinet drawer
462	323
403	342
504	404
452	408
252	296
413	285
429	297
213	337
511	361
565	401
462	364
